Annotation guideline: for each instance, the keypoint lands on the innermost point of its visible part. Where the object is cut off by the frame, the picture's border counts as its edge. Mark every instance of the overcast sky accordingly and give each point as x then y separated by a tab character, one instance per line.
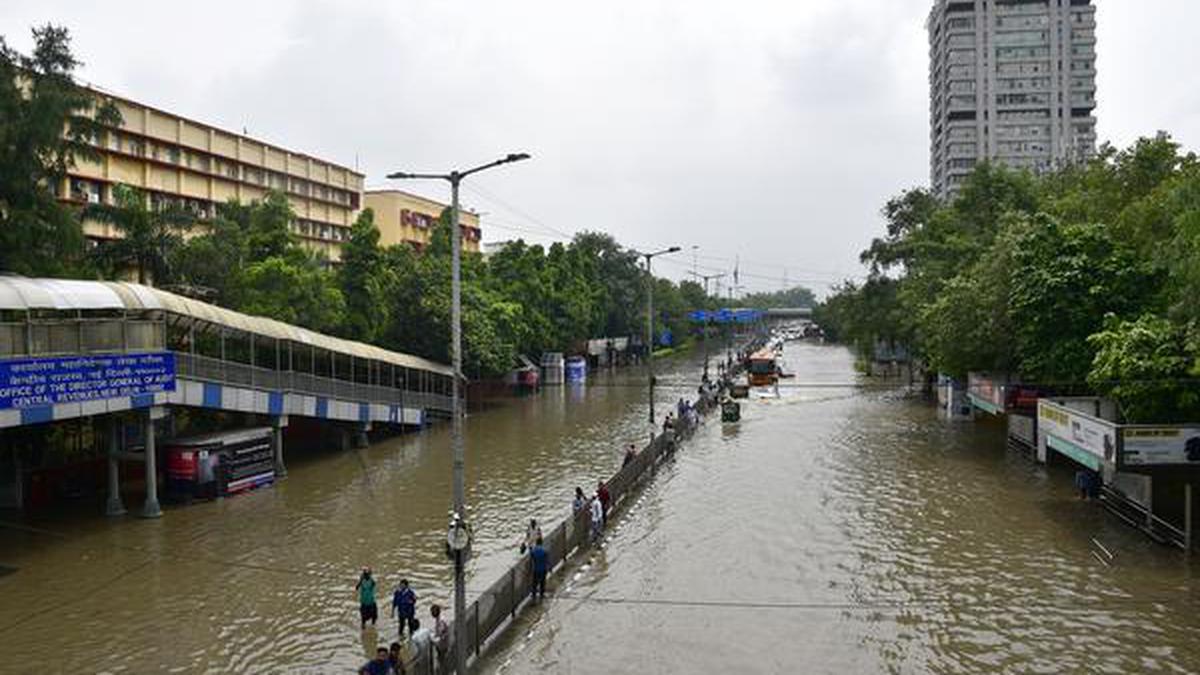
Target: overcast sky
768	130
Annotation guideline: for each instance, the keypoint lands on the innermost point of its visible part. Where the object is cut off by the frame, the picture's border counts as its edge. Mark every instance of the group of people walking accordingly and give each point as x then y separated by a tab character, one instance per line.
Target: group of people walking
422	641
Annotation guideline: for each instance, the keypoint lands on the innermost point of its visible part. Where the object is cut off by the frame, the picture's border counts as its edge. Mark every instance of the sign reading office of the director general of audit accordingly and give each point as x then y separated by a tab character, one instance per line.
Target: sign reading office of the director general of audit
30	383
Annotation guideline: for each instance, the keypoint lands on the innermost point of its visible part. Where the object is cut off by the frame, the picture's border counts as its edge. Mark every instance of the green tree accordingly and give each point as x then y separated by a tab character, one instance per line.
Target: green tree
149	237
295	290
1148	367
47	122
1064	280
365	281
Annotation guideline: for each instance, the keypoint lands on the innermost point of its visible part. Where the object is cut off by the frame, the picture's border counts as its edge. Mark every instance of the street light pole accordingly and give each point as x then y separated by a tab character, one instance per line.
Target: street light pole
704	337
458	537
650	326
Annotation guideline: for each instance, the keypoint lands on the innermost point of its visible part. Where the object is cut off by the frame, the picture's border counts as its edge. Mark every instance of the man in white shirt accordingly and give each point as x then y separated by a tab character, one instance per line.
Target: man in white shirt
597	517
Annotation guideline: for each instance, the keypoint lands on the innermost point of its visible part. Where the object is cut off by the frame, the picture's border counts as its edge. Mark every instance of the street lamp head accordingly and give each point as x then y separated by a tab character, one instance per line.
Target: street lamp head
674	249
399	175
516	156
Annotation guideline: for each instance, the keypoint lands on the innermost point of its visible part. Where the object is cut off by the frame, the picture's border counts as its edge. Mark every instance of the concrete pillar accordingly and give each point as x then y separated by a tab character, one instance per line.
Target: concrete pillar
150	509
114	506
277	425
1187	518
360	434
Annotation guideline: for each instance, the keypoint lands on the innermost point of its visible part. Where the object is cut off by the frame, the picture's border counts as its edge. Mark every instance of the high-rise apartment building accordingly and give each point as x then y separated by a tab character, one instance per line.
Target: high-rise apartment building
1012	81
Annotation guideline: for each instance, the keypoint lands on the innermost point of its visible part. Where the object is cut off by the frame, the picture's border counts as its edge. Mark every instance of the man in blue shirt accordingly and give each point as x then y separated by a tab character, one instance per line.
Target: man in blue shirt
540	560
404	607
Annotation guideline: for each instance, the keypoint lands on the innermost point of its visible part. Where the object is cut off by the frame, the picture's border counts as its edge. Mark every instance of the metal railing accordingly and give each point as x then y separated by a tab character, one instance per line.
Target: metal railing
491	612
209	369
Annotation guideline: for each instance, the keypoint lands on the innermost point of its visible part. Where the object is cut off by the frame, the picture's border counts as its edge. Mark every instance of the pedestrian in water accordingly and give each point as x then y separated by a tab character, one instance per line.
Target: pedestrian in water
441	632
367	610
630	455
605	500
395	659
539	559
421	640
680	408
580	502
597	517
378	665
404	608
532	533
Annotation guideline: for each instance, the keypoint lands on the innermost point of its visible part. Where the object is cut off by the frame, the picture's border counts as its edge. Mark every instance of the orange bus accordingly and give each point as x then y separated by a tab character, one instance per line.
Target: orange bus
761	368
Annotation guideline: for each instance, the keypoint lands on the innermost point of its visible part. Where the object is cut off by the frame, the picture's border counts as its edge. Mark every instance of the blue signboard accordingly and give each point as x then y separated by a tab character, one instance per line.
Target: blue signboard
698	316
30	383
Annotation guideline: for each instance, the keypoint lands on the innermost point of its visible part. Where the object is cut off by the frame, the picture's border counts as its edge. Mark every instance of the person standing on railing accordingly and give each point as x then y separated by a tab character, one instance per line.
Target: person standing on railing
539	559
630	455
441	633
532	534
597	511
605	501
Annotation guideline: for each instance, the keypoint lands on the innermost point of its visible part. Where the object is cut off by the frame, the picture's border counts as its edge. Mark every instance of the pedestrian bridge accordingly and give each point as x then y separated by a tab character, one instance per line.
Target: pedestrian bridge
71	349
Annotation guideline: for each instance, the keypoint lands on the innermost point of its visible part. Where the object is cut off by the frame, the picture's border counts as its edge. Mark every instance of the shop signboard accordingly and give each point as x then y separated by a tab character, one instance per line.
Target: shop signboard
1088	440
986	392
1157	445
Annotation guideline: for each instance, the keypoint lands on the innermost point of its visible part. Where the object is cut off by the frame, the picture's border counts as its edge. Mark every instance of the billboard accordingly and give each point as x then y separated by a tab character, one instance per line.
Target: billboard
1142	446
31	383
1086	439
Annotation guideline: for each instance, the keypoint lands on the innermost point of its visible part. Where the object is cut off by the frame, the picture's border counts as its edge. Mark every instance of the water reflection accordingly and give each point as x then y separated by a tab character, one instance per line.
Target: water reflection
851	530
264	582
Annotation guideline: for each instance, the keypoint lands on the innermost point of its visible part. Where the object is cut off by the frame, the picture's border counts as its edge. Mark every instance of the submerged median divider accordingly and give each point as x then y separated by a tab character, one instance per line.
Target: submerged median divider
509	595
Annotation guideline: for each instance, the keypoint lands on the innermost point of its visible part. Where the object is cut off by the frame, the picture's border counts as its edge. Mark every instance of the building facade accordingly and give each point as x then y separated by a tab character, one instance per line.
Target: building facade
405	217
1012	81
174	159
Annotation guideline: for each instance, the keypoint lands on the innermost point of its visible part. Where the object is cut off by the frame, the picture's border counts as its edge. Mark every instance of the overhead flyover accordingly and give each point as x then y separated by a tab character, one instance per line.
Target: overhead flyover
73	348
789	313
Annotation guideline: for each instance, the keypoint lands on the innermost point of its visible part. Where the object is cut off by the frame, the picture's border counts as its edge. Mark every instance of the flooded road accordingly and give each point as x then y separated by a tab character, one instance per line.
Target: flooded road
264	582
833	530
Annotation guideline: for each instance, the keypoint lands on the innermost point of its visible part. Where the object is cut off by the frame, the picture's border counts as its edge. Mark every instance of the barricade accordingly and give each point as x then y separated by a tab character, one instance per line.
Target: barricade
491	612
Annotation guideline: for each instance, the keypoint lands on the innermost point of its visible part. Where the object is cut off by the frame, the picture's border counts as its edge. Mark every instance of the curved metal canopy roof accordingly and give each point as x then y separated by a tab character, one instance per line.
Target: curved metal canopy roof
21	293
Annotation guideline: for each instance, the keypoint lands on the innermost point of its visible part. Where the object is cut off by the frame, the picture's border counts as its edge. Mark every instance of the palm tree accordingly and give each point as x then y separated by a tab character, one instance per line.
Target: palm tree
148	235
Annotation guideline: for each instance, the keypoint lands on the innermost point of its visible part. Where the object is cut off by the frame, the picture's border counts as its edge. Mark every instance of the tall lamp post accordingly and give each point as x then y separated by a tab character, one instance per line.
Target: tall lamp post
706	278
458	536
650	323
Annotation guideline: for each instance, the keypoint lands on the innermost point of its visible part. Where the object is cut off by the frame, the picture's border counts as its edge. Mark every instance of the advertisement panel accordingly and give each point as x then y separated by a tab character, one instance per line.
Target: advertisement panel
986	392
1077	433
1143	446
30	383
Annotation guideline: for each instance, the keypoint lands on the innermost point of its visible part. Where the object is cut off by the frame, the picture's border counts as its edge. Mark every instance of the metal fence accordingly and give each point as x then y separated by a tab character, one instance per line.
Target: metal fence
209	369
490	613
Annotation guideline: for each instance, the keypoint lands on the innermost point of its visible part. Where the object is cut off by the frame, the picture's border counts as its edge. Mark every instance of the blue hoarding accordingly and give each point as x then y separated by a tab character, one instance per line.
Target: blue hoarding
29	383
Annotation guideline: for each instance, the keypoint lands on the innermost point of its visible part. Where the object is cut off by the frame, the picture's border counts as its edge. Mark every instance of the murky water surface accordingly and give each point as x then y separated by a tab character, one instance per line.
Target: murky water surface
833	530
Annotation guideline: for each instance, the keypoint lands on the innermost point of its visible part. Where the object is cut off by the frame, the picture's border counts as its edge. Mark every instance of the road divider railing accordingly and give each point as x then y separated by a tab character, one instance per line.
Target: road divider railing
507	596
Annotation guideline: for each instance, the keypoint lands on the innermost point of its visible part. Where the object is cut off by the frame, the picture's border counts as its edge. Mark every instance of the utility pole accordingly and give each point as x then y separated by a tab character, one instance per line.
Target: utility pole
704	335
458	537
650	325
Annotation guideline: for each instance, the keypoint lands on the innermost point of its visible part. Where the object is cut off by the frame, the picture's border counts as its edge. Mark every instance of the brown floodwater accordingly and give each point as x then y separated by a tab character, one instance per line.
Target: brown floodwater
853	531
834	529
263	582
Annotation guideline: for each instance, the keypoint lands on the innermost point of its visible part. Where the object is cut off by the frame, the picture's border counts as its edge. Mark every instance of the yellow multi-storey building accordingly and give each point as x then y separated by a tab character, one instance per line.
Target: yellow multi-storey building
405	217
172	158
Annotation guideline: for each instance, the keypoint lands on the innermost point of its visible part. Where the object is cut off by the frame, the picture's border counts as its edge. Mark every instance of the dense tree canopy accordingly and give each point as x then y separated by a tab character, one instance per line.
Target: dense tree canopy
1086	277
47	123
